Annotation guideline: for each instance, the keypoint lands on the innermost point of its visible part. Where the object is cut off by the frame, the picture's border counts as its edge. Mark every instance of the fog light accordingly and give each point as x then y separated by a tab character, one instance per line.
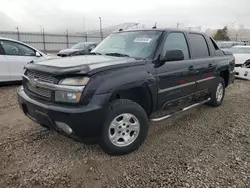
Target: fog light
64	127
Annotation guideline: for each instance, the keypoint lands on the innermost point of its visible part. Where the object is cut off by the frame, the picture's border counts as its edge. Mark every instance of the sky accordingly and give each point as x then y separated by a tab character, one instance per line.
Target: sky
79	15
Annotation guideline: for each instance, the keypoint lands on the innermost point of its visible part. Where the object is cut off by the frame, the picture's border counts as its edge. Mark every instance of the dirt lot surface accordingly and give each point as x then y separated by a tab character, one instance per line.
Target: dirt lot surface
206	147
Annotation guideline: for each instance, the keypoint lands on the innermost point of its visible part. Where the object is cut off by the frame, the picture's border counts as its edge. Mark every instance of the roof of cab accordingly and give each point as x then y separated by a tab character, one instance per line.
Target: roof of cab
160	29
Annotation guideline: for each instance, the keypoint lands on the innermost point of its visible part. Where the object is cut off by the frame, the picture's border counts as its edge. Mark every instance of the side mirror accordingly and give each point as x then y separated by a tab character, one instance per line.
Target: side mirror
174	55
38	54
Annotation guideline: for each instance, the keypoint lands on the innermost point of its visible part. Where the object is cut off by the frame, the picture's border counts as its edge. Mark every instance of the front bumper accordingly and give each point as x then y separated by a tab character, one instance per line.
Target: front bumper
85	121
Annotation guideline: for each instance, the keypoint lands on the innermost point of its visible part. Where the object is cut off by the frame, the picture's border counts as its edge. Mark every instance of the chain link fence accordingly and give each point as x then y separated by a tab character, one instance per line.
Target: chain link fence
50	42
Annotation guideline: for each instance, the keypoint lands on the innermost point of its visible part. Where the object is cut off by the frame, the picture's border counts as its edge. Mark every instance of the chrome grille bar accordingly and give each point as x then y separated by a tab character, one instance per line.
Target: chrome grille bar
54	87
41	76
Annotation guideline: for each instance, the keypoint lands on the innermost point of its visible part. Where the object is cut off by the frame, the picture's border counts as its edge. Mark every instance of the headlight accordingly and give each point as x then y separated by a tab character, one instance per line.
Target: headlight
69	96
78	81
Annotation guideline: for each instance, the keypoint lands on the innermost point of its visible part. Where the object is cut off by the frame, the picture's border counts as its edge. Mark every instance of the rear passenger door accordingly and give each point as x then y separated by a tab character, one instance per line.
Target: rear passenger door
203	60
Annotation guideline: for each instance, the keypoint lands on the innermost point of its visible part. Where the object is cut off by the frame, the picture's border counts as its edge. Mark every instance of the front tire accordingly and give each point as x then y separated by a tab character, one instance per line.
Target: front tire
125	127
218	93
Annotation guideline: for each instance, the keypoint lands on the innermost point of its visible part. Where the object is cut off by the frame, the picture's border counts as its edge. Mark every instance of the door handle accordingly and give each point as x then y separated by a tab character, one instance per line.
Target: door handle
210	65
191	68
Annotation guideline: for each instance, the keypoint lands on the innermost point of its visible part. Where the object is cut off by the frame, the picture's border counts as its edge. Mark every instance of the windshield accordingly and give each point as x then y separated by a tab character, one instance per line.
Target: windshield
80	46
137	44
240	50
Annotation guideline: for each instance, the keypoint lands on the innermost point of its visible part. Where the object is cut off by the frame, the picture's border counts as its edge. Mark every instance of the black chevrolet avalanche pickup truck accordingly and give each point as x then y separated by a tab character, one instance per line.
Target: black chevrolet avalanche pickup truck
112	93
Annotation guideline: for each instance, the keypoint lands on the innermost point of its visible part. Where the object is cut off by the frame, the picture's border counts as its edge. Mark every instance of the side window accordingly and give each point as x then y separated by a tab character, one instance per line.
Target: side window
199	45
14	48
176	41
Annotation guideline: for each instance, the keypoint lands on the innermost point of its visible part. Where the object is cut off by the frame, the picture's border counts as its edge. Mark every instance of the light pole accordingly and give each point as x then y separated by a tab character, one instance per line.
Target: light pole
44	43
41	28
18	34
100	18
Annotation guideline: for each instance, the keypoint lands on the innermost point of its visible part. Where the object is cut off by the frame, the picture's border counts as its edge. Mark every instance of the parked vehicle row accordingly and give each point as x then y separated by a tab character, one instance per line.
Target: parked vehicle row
111	93
14	55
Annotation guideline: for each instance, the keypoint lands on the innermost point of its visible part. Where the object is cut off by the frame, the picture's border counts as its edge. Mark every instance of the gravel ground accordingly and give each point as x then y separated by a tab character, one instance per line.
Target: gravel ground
206	147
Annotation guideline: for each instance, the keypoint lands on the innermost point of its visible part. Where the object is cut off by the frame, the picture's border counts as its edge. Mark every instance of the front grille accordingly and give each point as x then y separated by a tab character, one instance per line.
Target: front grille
41	76
36	91
40	91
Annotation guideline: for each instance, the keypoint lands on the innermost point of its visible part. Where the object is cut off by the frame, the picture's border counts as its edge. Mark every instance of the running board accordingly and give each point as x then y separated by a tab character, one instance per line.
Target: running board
184	109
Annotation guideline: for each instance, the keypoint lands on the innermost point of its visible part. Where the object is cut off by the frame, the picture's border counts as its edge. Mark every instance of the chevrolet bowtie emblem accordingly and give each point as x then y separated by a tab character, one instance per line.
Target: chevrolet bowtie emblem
33	81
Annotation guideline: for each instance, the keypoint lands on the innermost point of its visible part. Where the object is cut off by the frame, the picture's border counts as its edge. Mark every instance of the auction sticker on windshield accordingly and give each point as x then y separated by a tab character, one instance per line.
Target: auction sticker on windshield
144	40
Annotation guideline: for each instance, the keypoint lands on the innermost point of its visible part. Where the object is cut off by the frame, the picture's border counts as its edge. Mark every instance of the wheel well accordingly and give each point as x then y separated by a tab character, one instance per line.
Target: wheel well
140	95
225	75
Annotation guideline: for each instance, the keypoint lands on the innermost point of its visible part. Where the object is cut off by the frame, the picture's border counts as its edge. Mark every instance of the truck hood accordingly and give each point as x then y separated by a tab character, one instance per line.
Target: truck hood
82	64
241	58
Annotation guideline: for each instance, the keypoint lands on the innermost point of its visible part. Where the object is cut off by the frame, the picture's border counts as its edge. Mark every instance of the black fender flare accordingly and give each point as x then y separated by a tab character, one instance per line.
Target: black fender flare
128	81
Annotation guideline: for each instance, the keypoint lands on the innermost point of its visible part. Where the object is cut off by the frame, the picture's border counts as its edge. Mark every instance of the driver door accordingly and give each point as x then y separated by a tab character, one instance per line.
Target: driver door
17	56
176	79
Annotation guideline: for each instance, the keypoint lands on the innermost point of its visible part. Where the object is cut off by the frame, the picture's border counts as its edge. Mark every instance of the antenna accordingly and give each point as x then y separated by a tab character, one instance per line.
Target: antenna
154	26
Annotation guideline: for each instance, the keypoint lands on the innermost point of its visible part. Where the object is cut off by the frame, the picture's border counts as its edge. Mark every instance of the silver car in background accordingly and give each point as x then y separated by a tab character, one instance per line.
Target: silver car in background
14	55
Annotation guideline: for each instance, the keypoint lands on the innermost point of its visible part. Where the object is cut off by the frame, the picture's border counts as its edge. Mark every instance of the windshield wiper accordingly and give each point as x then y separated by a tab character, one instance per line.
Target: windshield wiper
117	54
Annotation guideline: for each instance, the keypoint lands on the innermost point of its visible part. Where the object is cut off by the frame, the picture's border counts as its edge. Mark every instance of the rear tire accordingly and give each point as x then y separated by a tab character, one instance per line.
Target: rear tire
218	93
125	127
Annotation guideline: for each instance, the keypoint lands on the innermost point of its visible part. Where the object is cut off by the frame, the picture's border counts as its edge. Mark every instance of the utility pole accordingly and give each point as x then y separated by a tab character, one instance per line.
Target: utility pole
87	36
100	18
41	29
67	38
178	24
83	26
18	34
44	45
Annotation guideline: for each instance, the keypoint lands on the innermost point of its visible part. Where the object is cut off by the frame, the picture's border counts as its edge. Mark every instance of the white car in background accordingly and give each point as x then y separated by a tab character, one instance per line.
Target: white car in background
14	55
225	45
242	61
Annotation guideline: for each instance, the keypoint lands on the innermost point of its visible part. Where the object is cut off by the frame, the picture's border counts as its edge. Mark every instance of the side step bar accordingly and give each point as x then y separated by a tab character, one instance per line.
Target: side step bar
184	109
